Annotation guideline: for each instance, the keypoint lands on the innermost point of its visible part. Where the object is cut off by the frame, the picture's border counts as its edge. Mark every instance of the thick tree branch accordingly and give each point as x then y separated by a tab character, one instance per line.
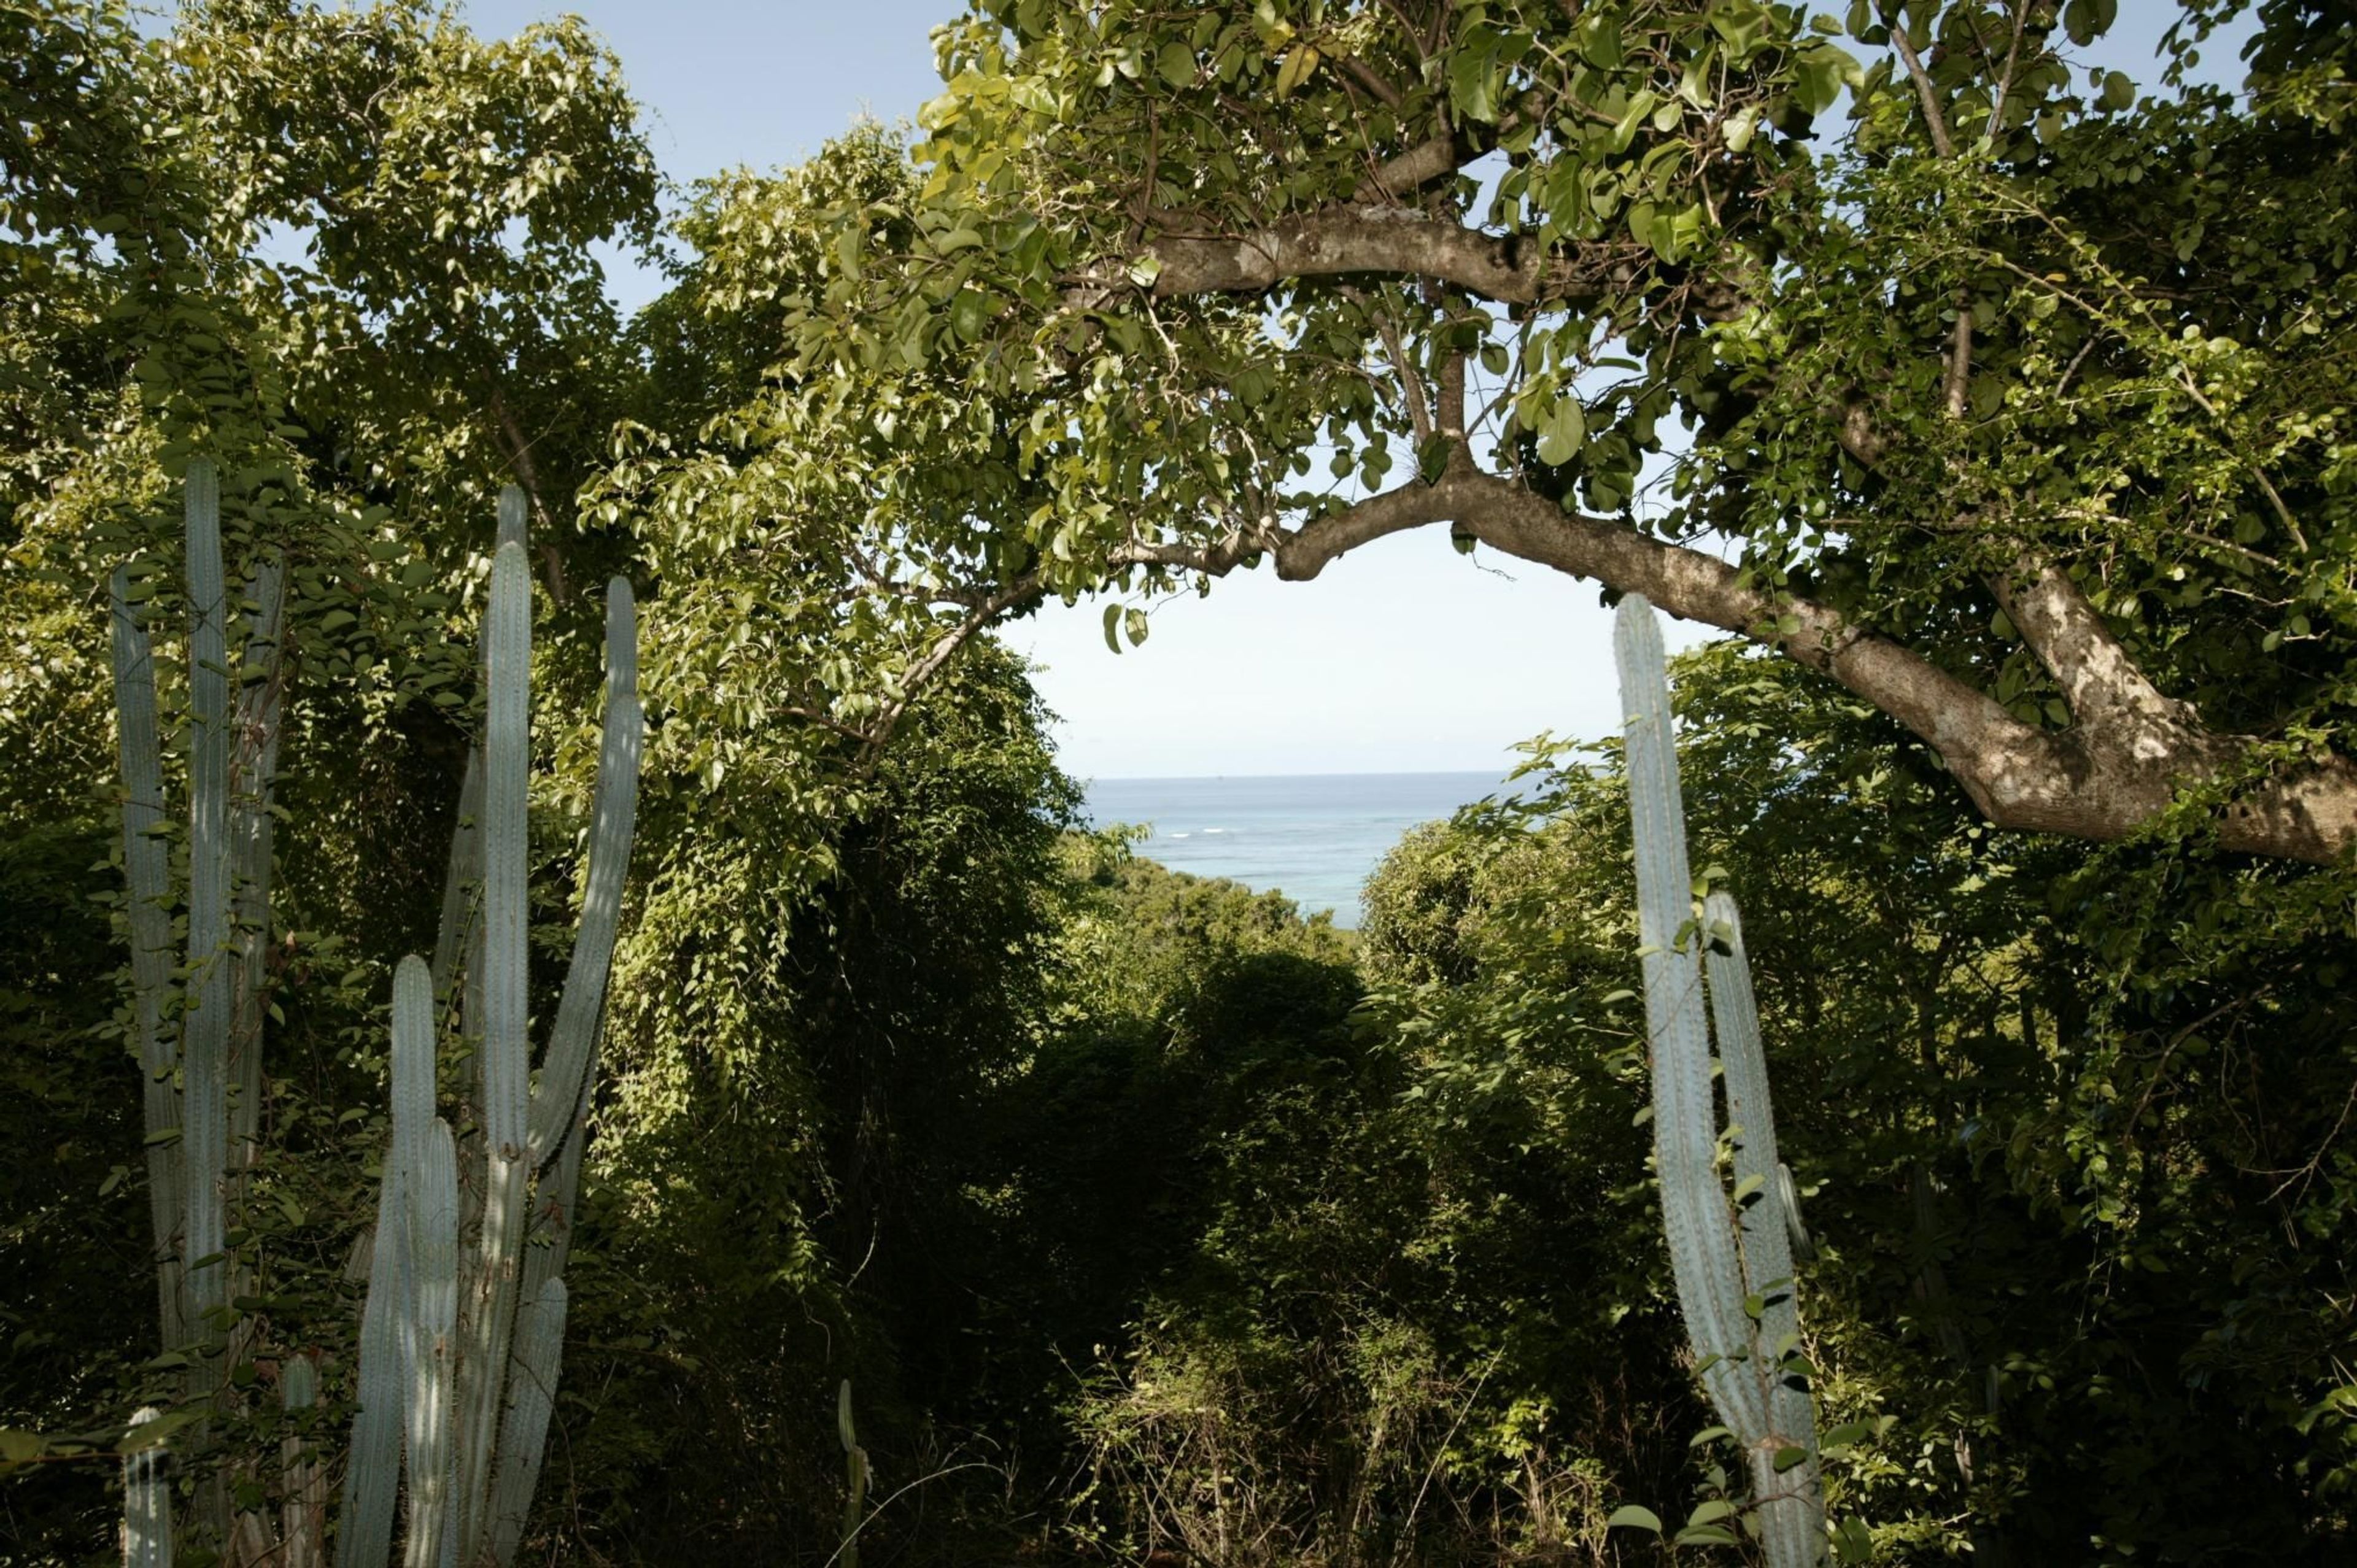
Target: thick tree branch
1942	143
1382	240
2099	679
2109	775
527	475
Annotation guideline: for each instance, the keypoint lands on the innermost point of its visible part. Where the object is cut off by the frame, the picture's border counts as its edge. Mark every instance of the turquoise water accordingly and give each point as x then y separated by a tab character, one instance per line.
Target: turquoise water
1314	837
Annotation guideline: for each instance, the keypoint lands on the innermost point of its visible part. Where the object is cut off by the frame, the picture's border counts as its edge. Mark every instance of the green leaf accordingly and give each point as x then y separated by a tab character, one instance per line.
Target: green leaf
1472	82
1176	63
1703	1535
150	1434
1563	434
2119	93
1710	1511
1432	458
1630	1516
1818	76
1134	623
1296	69
1624	131
1112	625
2086	20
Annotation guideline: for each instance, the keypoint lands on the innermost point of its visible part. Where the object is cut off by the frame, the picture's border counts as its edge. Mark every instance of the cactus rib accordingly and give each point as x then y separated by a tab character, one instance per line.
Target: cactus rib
205	1110
613	815
523	1426
433	1242
146	867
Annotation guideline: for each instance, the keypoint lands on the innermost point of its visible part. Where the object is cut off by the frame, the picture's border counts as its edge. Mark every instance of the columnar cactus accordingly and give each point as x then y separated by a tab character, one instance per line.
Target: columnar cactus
461	1330
201	1092
479	1326
146	868
303	1516
146	1501
1731	1256
854	1475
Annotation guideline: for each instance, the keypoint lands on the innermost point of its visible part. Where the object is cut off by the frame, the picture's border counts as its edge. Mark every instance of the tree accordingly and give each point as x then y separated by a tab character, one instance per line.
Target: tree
2023	406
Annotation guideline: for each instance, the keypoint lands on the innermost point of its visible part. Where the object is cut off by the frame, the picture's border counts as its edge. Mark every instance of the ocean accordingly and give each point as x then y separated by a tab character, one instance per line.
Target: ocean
1314	837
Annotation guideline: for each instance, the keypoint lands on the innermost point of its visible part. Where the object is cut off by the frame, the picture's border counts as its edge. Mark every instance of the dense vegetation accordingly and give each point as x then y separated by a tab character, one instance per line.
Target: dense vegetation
1147	1220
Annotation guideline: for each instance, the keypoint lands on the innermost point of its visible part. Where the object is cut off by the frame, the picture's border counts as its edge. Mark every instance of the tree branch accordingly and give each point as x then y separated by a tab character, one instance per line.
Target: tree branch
2111	774
1384	240
2099	679
1942	143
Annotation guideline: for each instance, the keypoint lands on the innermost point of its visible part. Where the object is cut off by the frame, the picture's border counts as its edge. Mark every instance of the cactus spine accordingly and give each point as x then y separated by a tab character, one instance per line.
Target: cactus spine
474	1334
1731	1259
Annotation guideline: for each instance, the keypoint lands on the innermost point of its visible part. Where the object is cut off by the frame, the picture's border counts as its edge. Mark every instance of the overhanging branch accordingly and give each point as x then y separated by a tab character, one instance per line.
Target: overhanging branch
2112	772
1378	240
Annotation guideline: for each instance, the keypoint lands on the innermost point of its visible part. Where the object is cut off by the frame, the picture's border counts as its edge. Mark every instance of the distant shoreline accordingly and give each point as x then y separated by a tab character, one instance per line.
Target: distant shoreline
1313	837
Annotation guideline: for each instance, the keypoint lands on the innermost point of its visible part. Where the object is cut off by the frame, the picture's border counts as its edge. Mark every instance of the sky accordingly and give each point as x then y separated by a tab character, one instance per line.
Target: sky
1401	657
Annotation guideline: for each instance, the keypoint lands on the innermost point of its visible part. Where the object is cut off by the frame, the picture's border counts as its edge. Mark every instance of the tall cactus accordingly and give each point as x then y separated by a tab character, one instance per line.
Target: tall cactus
146	1501
855	1478
303	1516
478	1330
204	1067
1731	1256
201	1092
146	868
457	1380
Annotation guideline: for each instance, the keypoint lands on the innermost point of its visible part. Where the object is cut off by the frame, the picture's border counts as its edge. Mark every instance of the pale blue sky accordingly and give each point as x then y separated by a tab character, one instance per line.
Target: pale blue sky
1402	657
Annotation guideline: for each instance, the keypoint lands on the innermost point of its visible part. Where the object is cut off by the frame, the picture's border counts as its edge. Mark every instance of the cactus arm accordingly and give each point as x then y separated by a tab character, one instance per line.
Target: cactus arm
1791	1504
855	1466
504	1053
433	1246
462	882
205	1110
261	700
507	764
491	1329
364	1537
1694	1204
1767	1239
513	514
304	1513
613	816
413	1061
523	1428
147	1502
146	869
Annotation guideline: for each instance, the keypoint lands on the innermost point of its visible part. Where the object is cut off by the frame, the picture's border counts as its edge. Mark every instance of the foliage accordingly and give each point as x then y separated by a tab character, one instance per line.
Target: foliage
2015	433
2018	1180
1143	1215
